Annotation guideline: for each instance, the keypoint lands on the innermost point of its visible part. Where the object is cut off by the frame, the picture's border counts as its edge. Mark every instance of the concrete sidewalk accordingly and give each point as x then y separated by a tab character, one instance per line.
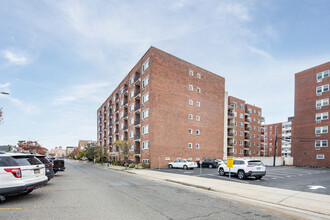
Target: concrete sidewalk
293	204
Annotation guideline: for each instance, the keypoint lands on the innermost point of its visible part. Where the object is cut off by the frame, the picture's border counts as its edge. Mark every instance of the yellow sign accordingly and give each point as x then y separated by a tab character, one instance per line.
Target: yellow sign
230	162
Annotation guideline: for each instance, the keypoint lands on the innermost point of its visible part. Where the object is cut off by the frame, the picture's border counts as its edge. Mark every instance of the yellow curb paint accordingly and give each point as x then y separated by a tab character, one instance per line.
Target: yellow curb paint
10	208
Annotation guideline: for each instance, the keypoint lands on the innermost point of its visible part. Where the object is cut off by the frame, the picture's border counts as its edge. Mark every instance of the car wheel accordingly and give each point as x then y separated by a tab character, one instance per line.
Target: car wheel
241	174
210	166
258	177
221	172
185	167
170	166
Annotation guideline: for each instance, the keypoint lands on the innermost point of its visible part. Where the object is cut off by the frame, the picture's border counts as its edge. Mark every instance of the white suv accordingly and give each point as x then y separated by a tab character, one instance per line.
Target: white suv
244	168
20	173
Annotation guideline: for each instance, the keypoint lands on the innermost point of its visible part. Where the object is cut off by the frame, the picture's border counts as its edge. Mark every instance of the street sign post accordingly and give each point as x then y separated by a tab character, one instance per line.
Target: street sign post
230	164
200	166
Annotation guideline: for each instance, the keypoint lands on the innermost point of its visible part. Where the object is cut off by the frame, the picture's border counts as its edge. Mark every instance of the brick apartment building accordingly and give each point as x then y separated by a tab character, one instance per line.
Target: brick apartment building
245	130
271	131
311	117
165	108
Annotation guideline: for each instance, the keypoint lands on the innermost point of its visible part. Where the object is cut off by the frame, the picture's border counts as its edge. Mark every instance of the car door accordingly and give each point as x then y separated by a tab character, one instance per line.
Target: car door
235	166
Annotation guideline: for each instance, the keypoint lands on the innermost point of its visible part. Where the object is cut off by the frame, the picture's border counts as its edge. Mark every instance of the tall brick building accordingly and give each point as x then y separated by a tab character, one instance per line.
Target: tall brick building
311	117
245	130
166	108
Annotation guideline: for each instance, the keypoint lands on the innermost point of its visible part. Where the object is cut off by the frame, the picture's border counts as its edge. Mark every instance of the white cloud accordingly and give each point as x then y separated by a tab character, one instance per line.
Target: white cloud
15	57
89	92
28	108
5	86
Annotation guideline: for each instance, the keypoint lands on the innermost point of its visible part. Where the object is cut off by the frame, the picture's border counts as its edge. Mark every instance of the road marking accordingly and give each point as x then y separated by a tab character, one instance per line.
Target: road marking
10	208
316	187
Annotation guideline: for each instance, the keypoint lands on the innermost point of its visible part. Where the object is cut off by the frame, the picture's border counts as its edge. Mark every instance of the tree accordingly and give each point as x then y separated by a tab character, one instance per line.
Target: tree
80	154
124	147
101	153
1	116
90	151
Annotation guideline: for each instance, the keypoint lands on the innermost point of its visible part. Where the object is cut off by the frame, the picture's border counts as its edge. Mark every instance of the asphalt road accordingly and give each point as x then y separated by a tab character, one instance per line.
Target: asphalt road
85	191
305	179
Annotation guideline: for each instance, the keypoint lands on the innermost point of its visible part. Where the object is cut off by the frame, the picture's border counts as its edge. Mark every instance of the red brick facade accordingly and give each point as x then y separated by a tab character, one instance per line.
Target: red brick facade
185	111
245	134
270	137
311	135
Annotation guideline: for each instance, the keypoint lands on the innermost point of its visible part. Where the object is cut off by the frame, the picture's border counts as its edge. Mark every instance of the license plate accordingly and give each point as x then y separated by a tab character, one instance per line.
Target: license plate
258	168
36	171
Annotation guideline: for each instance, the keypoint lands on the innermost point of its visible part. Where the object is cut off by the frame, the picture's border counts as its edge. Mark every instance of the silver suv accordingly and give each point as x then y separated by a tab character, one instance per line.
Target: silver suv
244	168
20	173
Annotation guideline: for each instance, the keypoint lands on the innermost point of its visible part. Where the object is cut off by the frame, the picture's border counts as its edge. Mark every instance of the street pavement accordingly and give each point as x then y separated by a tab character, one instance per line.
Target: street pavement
304	179
86	191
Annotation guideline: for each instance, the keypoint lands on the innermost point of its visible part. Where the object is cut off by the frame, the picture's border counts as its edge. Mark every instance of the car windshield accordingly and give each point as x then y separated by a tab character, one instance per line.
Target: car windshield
255	163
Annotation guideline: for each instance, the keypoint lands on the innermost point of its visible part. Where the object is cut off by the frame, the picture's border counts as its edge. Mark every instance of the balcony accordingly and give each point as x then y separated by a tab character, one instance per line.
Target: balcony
137	108
248	128
137	123
117	99
248	137
117	121
125	127
137	137
125	103
230	154
248	120
230	135
125	115
231	125
248	112
231	106
137	78
125	90
117	132
231	115
137	94
262	119
137	152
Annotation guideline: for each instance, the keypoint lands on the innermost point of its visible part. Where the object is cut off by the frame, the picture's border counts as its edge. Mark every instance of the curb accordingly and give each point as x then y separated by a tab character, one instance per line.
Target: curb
188	184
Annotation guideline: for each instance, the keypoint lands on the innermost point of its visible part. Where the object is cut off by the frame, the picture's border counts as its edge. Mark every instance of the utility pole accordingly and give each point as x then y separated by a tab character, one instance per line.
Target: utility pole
275	147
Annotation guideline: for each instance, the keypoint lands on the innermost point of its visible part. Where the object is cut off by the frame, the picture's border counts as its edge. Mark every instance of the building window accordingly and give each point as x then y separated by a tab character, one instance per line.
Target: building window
197	146
121	90
131	107
191	73
145	98
241	143
198	118
321	75
191	87
321	116
235	142
241	106
191	102
320	156
235	114
131	134
198	76
145	82
259	114
321	89
131	121
197	132
190	117
198	90
146	161
190	131
321	130
322	102
131	94
235	123
121	125
321	143
145	114
145	129
240	151
145	66
240	115
190	145
131	80
241	124
145	145
235	104
241	133
121	137
198	104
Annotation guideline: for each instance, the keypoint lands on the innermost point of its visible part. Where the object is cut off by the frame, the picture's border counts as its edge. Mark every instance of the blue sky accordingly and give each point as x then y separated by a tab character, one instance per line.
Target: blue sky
61	59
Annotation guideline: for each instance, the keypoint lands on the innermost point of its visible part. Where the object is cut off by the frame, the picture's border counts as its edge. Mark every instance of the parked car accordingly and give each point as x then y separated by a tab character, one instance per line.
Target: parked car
208	162
182	163
58	164
48	166
244	168
20	174
220	161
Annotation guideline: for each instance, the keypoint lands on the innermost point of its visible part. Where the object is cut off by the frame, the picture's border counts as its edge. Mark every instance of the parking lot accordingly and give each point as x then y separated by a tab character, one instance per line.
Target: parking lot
305	179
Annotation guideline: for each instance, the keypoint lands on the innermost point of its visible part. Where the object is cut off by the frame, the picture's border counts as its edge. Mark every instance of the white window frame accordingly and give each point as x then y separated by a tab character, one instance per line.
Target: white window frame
145	114
146	161
191	73
321	130
131	80
190	145
191	102
145	82
198	90
198	146
131	121
322	75
320	156
322	116
198	118
198	132
198	76
131	134
145	129
145	66
198	104
131	94
191	87
190	116
145	98
322	88
190	131
145	145
131	107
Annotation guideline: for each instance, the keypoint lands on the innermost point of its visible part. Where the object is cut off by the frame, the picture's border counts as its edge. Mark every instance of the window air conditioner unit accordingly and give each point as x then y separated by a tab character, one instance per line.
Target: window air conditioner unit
317	135
318	93
318	107
318	121
319	80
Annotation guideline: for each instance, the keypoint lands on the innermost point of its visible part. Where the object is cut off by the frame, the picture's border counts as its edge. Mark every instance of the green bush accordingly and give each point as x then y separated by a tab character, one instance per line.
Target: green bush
132	165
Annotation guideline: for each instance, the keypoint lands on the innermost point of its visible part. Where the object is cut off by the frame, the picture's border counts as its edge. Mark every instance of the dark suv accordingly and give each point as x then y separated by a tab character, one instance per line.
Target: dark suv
208	162
58	164
48	165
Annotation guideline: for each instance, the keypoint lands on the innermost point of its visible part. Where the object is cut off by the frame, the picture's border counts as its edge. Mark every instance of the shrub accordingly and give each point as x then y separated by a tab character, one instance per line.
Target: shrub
132	165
